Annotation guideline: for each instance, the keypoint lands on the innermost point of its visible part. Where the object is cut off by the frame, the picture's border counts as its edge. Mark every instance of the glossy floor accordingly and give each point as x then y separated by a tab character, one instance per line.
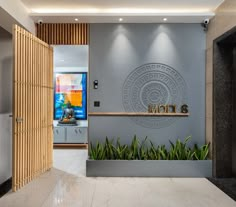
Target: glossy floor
66	185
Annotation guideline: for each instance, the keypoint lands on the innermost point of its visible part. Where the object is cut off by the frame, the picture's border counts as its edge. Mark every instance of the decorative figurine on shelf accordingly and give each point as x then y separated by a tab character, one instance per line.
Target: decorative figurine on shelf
68	116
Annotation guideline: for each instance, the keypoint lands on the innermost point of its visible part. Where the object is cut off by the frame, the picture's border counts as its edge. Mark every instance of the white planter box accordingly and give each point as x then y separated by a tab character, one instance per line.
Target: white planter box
149	168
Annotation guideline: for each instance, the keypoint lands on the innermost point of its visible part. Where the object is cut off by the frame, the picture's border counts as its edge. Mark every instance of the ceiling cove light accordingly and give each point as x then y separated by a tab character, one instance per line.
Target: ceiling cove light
119	11
120	19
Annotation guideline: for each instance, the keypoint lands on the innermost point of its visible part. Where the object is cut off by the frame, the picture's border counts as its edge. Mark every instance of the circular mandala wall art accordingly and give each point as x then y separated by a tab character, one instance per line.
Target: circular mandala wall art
153	83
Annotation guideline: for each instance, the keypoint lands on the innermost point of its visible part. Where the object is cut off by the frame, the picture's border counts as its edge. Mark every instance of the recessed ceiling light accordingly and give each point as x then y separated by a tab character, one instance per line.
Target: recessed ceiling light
121	19
164	19
76	19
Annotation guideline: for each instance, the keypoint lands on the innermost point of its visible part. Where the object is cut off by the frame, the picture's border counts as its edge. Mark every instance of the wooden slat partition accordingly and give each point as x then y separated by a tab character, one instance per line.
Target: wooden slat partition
33	107
63	34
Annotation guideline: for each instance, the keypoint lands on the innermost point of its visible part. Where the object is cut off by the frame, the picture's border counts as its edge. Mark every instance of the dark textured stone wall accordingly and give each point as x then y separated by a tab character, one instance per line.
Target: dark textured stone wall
234	114
223	107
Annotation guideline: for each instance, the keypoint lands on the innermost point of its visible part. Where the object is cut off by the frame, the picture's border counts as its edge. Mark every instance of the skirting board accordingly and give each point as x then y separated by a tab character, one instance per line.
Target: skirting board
148	168
5	187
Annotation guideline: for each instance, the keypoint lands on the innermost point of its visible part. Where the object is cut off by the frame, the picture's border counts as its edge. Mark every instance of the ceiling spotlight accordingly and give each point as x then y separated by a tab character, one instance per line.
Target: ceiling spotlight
121	19
76	19
164	19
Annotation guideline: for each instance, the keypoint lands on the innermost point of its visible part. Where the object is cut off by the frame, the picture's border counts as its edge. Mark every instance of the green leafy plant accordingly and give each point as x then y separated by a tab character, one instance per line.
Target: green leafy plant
180	151
201	153
97	152
134	148
142	151
153	153
120	151
109	149
163	152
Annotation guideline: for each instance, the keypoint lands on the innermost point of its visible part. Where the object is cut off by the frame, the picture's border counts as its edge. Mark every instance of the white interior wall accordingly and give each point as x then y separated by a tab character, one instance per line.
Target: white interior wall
18	13
70	69
5	148
6	61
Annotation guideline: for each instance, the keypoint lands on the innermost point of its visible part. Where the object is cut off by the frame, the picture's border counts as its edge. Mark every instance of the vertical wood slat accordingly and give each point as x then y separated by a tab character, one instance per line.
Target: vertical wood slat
33	84
63	34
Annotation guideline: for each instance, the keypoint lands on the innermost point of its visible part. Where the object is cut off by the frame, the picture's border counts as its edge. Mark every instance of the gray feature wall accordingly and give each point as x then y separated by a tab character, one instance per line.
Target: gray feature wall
119	52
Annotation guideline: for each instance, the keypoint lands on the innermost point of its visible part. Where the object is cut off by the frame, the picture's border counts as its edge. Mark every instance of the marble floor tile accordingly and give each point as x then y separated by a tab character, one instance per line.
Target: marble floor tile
67	186
71	161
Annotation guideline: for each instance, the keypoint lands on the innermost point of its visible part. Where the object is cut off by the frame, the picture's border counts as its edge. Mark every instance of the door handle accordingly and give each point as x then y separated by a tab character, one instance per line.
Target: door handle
19	120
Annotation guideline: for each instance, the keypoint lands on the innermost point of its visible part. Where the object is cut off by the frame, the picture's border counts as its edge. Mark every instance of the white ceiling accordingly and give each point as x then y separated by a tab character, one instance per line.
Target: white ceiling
93	11
130	4
70	56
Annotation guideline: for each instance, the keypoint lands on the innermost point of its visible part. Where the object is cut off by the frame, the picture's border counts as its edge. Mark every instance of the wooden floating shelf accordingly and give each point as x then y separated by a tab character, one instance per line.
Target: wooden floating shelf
80	146
135	114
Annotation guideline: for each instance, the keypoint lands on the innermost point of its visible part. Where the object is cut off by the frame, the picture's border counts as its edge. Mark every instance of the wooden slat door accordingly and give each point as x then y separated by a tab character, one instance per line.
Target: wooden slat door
32	107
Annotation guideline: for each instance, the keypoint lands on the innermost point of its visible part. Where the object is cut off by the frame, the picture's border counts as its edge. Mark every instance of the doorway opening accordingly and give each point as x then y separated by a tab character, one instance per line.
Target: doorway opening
71	86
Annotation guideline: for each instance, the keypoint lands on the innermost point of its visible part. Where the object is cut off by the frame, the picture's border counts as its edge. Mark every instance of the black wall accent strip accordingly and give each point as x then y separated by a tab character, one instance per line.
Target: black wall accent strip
5	187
